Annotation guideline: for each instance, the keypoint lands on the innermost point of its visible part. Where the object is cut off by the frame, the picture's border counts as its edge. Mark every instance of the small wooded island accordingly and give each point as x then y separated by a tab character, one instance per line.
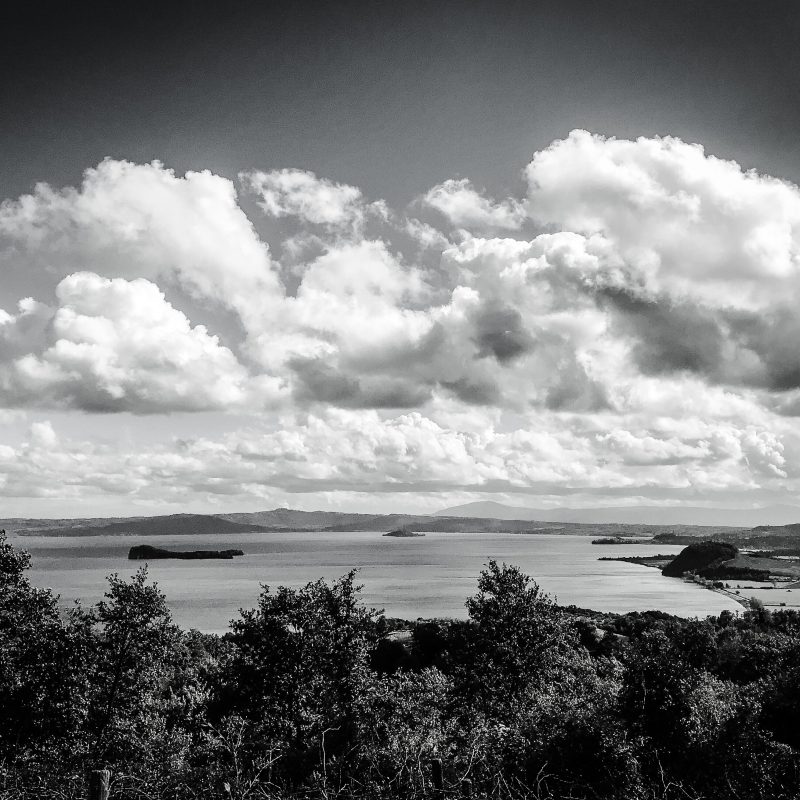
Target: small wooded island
620	540
403	533
144	552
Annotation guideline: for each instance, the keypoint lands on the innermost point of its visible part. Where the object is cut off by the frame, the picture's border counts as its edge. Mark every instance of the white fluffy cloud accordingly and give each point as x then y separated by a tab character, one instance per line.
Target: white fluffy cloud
644	342
411	454
680	220
465	207
669	261
318	201
113	345
142	220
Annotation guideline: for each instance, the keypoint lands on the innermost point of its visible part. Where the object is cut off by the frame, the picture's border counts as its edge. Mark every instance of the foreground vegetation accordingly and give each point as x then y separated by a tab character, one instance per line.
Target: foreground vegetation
307	696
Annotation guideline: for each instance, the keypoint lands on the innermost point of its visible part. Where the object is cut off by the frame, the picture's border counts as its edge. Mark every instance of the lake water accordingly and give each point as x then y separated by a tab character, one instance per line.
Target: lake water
419	577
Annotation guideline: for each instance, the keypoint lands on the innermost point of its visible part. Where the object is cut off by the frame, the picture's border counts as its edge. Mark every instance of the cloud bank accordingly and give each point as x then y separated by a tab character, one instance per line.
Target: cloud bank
628	324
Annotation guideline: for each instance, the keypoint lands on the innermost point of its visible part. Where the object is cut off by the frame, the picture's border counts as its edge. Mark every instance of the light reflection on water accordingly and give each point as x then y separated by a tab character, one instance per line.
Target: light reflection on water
415	577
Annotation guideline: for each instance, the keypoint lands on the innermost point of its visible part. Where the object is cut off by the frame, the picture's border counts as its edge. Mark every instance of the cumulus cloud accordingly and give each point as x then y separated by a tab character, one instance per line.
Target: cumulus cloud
143	221
318	381
425	235
701	270
646	339
113	345
500	332
357	452
363	327
728	346
42	434
310	199
465	207
681	220
25	331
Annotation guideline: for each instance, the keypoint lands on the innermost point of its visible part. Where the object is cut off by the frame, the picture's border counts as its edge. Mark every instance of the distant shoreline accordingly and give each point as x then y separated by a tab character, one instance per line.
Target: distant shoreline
286	520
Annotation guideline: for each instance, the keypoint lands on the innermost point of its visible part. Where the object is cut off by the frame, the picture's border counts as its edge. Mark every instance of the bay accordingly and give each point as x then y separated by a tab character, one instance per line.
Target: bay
410	578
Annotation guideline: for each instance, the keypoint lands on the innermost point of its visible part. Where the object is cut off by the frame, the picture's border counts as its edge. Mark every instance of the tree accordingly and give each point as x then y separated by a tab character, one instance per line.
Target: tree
517	639
42	659
402	724
137	722
301	659
44	654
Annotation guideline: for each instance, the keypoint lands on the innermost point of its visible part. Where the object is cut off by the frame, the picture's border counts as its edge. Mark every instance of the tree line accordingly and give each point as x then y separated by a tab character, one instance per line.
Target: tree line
308	696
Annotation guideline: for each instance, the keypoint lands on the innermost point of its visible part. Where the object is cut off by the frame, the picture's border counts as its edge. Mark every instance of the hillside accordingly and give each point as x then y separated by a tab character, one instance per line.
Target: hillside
699	557
446	525
292	519
173	524
785	537
634	515
20	524
774	566
723	561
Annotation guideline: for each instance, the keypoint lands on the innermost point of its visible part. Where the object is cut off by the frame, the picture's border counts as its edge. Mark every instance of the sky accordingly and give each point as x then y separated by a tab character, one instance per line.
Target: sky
383	257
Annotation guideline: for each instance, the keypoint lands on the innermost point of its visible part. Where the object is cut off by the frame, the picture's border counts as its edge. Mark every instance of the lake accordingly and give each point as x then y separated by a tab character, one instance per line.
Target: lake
414	577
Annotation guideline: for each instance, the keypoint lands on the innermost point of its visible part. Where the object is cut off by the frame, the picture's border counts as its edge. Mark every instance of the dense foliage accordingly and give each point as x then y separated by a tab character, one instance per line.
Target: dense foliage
700	556
310	695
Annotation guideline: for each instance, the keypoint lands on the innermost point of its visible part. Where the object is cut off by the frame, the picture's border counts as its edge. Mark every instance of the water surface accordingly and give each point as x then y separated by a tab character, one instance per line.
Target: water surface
414	577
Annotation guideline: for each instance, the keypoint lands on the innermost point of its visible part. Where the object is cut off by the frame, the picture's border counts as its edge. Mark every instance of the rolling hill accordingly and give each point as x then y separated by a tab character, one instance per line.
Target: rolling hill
634	515
172	524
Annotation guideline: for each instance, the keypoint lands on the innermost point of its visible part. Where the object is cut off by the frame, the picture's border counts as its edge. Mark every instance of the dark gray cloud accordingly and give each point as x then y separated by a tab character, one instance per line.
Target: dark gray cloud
576	391
319	381
500	332
728	346
473	391
669	335
774	338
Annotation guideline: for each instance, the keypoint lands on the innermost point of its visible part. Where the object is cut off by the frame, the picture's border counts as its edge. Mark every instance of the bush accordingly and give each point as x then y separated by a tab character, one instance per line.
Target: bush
305	697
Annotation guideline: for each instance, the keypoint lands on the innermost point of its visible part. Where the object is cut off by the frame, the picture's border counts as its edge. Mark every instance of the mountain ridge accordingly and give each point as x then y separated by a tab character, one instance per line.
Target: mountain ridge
292	520
633	515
